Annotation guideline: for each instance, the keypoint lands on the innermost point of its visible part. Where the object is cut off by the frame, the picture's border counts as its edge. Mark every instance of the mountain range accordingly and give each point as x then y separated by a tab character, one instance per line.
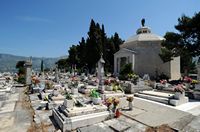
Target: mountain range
8	62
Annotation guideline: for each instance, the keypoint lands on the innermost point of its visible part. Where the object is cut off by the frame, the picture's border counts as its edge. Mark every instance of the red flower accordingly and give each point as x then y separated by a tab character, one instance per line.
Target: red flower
187	79
163	81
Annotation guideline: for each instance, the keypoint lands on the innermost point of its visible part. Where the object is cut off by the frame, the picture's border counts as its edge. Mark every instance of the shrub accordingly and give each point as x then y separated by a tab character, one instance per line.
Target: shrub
21	79
126	69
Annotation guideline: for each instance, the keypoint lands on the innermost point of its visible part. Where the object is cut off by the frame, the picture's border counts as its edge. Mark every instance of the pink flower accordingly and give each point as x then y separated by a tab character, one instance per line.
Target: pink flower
179	88
187	79
163	81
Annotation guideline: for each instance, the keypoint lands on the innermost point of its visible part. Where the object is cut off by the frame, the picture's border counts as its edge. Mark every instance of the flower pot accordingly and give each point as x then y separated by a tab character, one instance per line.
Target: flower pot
74	91
68	103
109	88
117	113
187	85
179	95
96	100
55	93
130	105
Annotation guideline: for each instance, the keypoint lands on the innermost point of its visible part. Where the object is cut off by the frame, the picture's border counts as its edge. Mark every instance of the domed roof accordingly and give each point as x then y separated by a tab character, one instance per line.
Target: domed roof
144	34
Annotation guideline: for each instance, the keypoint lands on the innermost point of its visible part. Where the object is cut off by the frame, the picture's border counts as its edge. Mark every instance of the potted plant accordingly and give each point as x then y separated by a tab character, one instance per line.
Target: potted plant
116	86
55	92
133	77
187	80
68	101
194	82
112	103
164	82
109	102
95	97
130	102
74	87
179	91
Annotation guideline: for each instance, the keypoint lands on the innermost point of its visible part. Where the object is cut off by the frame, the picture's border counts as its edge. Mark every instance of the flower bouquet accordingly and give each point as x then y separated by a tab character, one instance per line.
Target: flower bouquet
179	88
129	99
179	91
115	101
163	81
68	101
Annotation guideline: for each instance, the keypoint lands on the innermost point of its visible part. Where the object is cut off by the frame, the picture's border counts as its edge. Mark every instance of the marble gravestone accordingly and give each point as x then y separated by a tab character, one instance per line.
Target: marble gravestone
56	75
101	74
28	67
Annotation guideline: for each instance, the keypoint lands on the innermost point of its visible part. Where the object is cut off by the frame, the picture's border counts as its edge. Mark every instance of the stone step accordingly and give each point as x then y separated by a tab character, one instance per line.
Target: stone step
153	98
135	90
157	94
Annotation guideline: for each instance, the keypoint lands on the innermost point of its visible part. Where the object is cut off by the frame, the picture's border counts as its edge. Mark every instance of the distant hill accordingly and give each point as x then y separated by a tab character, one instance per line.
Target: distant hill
8	62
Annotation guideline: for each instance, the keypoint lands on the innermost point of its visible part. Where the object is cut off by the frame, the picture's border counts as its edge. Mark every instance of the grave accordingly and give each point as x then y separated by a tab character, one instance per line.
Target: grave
161	97
101	74
131	88
71	118
105	93
28	66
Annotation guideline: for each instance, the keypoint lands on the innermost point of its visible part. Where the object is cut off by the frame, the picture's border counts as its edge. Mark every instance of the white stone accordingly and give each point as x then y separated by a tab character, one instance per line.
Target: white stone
69	124
96	100
68	103
179	95
74	91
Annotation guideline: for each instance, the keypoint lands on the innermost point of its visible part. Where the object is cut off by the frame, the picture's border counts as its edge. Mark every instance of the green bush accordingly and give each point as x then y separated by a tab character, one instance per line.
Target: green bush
126	69
21	79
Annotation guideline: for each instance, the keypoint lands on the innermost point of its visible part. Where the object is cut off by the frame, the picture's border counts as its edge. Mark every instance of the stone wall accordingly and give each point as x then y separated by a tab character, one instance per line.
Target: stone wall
147	60
175	68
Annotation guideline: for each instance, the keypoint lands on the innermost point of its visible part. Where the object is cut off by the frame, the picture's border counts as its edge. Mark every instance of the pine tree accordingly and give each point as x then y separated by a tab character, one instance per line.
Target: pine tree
185	43
42	66
88	52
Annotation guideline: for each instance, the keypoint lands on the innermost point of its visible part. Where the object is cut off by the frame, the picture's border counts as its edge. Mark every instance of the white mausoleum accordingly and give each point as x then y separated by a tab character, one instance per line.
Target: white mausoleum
142	50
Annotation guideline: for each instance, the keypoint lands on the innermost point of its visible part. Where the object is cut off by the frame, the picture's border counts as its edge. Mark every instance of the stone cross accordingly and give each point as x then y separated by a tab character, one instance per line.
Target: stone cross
101	74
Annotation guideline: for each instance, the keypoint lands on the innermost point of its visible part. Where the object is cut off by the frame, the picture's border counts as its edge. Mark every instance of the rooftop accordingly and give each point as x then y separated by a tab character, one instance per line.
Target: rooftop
144	34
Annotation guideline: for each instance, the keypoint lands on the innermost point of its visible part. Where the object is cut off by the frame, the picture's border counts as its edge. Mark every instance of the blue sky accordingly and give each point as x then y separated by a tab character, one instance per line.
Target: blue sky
47	28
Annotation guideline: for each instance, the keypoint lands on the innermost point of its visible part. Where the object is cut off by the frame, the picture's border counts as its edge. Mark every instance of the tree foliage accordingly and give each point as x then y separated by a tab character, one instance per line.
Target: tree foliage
88	51
185	43
20	67
63	64
42	66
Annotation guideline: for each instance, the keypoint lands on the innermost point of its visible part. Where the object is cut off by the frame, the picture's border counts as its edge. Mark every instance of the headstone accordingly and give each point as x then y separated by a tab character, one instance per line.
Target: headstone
68	103
56	75
28	67
198	69
101	74
74	91
146	77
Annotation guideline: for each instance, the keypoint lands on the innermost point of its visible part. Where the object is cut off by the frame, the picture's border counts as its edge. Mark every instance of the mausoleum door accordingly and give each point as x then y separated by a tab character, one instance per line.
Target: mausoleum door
123	62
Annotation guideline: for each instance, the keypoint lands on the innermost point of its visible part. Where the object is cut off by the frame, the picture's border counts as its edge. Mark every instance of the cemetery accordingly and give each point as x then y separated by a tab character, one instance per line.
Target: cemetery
82	102
145	83
76	102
